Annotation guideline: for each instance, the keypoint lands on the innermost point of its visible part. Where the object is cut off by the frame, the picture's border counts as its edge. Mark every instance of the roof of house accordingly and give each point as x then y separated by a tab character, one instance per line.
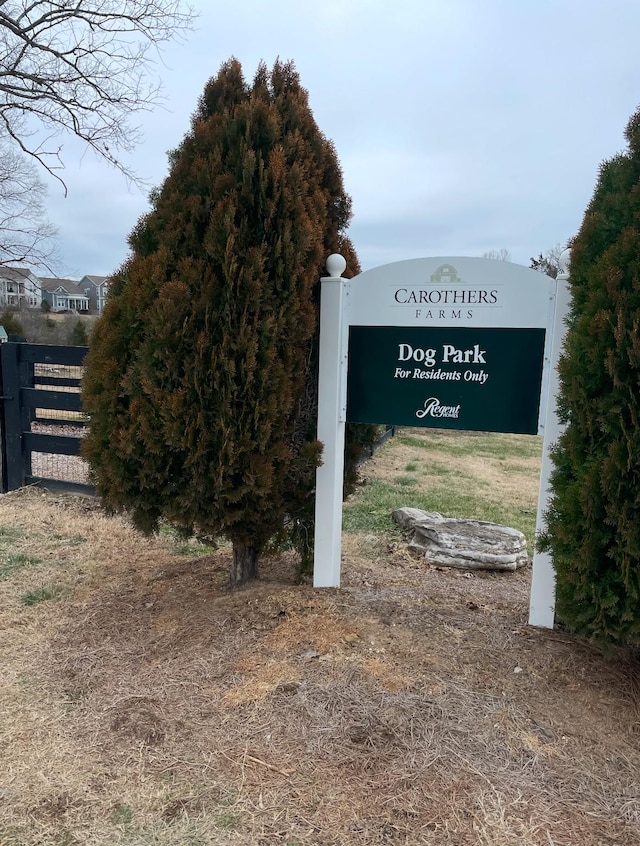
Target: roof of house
95	280
53	284
15	273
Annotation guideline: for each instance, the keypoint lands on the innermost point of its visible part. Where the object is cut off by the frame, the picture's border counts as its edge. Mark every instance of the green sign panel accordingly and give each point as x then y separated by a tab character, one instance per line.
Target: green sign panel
481	379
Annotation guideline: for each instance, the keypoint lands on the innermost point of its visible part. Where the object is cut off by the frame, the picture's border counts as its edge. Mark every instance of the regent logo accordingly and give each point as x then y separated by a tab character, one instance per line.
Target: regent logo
432	408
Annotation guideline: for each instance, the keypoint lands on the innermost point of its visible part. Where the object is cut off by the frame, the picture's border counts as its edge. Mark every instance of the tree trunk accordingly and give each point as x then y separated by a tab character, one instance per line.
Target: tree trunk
245	563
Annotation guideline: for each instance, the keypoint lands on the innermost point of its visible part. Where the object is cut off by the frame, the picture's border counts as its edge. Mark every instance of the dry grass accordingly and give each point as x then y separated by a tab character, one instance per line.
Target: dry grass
147	703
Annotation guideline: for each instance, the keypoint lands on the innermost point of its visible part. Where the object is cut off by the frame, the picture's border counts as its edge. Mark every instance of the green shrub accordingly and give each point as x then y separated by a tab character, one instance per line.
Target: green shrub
11	323
79	336
593	529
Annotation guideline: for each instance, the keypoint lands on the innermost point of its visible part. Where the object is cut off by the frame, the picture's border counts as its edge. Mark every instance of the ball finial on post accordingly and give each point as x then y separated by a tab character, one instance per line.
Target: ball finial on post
336	265
564	262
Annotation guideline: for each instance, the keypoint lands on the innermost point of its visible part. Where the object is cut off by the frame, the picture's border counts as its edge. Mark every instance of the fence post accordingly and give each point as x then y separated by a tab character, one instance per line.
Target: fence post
12	466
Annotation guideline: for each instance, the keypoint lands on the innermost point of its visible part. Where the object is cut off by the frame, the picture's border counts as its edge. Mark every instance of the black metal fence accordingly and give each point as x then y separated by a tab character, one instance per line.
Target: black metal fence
41	420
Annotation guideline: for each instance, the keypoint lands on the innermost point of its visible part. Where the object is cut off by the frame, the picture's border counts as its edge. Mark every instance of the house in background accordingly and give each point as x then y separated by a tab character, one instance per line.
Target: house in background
95	288
19	288
63	295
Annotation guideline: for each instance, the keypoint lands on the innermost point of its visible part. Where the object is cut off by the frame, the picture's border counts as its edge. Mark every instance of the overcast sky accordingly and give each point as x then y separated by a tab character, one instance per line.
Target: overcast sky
461	126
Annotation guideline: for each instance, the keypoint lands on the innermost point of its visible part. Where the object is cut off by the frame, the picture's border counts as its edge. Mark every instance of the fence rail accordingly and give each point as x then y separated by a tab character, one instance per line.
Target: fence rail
40	399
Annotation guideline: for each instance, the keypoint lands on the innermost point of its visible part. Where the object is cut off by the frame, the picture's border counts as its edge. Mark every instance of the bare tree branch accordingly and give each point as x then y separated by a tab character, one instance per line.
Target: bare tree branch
25	233
81	67
502	254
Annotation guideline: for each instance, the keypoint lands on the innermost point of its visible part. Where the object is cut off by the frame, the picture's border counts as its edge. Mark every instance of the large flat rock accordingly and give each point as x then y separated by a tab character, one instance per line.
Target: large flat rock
465	544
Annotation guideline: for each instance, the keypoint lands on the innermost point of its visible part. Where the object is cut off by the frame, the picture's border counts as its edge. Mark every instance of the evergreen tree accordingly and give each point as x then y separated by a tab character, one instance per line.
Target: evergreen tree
548	263
201	377
78	336
593	529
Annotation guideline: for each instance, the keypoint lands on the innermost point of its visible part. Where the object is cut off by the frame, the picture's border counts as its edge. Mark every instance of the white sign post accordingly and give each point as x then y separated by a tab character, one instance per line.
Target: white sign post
488	322
332	400
542	599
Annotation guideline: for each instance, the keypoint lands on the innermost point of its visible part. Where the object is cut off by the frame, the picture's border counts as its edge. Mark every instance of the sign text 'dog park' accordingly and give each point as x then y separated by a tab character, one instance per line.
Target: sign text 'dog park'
483	379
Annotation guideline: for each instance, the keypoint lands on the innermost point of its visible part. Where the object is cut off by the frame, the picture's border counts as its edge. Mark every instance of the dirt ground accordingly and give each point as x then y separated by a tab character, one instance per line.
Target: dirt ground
149	703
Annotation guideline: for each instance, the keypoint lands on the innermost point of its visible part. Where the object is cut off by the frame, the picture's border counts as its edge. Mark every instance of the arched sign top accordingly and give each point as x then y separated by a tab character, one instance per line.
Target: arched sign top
450	291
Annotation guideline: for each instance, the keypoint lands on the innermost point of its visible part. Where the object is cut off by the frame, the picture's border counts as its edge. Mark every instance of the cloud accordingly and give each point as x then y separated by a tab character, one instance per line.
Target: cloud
461	127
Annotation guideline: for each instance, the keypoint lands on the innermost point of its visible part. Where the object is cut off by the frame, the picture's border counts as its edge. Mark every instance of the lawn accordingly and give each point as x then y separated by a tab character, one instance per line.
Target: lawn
144	702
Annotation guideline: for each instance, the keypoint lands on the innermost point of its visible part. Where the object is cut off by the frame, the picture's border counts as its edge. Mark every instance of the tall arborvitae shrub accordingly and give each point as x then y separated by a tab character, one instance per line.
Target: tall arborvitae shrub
594	519
200	382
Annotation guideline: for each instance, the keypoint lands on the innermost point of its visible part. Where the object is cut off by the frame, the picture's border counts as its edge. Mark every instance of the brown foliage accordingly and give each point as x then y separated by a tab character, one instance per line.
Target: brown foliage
200	381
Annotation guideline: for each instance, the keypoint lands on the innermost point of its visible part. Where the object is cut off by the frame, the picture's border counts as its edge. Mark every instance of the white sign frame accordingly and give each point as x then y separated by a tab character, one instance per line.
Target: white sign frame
443	291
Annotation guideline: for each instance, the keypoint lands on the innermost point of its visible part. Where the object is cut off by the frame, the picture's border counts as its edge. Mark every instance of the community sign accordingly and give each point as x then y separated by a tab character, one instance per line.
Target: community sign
445	342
